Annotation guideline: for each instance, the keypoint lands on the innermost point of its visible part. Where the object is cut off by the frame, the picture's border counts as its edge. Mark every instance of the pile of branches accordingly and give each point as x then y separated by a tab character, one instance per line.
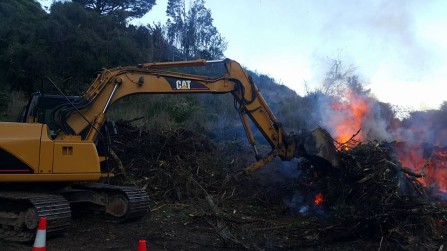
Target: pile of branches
166	162
372	196
181	167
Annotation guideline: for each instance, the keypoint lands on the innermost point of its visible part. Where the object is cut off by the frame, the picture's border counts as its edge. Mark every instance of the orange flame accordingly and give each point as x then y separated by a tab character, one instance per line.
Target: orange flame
349	115
318	199
352	111
437	171
433	167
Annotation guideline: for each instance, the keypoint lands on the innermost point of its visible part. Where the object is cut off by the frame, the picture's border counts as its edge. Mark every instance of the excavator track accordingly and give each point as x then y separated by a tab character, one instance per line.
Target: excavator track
136	200
20	213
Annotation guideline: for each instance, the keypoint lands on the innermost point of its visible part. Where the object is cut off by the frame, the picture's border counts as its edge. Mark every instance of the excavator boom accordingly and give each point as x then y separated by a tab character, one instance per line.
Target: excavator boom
114	84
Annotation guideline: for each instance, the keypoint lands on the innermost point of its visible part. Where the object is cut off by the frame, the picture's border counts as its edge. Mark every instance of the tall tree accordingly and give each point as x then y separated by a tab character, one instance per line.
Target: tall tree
122	9
95	41
19	22
161	47
69	45
193	31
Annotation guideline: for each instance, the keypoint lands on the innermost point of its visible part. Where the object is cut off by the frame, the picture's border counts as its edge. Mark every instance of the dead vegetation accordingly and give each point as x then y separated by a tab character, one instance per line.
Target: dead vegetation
374	197
370	202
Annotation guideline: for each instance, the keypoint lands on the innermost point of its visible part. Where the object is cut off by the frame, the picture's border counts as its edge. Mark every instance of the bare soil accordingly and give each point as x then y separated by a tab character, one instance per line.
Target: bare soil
173	227
179	227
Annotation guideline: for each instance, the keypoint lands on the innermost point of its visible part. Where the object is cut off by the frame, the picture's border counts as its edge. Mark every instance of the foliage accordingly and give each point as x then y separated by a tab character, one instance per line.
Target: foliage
96	42
161	48
11	104
18	23
193	31
175	110
121	9
4	100
292	110
69	45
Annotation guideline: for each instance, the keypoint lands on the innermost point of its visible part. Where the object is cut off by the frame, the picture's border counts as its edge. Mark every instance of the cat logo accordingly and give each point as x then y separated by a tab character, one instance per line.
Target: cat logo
183	84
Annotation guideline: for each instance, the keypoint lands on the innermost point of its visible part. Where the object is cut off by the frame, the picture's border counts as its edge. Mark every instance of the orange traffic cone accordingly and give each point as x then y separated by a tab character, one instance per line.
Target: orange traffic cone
41	236
142	245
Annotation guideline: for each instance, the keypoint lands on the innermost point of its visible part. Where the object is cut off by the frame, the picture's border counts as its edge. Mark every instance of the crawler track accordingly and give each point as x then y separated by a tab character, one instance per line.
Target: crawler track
137	199
20	212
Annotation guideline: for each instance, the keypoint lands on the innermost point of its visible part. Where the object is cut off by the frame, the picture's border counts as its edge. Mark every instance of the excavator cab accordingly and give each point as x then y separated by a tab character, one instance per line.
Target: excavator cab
39	109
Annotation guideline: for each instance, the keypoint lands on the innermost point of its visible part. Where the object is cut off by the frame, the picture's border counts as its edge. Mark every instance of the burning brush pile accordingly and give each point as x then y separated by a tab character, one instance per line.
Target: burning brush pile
388	184
372	196
383	190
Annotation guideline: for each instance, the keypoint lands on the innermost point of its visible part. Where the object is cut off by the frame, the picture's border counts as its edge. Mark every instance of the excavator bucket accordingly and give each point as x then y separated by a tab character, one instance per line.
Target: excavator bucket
318	147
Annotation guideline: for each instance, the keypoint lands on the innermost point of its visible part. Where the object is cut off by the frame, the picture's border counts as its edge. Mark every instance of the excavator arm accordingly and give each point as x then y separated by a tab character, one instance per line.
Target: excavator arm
85	117
55	142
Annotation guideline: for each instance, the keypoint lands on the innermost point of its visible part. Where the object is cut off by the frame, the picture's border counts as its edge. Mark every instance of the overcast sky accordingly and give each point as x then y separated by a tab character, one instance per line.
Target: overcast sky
399	47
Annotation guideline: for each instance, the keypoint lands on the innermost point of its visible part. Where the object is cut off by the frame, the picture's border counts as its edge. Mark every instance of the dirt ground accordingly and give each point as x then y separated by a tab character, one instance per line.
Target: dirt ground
235	225
176	227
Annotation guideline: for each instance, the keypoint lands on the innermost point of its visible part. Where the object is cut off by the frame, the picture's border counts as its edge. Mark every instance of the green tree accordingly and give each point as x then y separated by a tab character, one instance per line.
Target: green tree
193	31
122	9
69	45
82	42
19	22
160	44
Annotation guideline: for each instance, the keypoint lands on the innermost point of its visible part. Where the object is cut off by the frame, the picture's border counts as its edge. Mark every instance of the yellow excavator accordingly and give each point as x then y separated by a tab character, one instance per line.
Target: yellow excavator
53	158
